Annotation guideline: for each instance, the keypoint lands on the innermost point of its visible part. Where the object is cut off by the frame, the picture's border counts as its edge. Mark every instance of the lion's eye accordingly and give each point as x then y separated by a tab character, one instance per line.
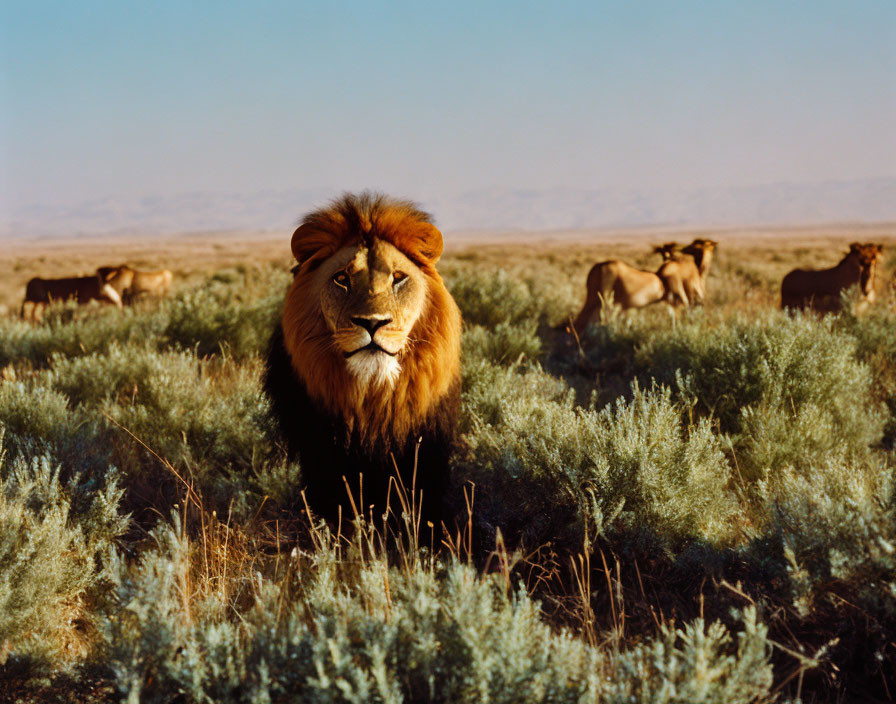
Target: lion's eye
398	277
342	279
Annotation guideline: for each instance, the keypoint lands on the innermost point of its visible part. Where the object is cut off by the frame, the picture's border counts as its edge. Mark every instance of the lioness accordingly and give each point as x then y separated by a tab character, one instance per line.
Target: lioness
684	276
132	284
820	290
678	281
41	292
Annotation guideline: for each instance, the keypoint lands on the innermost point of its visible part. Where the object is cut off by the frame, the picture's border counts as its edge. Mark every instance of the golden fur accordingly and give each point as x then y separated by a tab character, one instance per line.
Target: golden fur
616	282
347	300
131	283
820	290
680	280
684	272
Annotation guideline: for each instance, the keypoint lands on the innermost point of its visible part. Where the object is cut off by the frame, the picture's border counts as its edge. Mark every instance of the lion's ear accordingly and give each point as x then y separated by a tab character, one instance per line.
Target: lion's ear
429	242
309	241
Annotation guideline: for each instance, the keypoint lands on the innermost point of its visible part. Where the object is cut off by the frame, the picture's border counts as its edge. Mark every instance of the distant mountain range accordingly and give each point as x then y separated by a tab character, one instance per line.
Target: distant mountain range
495	208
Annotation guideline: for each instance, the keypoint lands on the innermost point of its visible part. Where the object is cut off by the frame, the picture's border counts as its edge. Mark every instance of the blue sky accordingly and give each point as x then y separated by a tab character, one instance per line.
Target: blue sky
161	98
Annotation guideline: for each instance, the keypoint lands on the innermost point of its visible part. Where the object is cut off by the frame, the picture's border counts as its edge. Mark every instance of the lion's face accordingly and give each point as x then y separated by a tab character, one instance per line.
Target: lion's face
370	298
371	331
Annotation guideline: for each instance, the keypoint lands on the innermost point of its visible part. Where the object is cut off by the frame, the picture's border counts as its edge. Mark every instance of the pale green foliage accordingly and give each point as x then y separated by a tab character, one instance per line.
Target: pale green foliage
87	406
233	312
357	630
505	344
877	346
695	665
212	318
30	411
788	389
838	526
68	331
52	556
327	635
492	297
635	460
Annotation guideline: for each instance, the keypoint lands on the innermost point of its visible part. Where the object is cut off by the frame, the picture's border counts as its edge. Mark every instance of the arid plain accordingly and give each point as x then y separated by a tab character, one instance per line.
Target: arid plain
761	255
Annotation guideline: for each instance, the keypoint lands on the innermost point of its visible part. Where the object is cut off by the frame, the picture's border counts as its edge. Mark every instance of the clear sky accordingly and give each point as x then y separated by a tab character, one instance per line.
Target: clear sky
166	97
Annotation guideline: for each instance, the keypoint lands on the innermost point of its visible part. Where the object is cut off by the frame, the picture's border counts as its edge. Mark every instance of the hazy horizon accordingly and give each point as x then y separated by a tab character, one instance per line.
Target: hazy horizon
119	104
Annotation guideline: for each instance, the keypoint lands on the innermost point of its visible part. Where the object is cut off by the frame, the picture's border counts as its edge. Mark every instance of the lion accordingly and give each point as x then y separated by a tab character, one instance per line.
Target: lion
820	290
684	271
83	289
132	284
614	281
363	371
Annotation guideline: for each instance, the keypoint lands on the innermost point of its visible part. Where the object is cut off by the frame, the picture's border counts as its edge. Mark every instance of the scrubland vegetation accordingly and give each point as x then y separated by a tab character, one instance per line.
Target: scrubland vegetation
691	510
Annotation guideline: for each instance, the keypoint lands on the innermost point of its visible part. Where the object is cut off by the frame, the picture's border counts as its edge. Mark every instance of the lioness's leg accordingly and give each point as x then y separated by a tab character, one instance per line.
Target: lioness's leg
592	303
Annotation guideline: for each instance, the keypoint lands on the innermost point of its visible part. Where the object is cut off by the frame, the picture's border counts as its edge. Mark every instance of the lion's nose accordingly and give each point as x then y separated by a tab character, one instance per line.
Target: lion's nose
371	325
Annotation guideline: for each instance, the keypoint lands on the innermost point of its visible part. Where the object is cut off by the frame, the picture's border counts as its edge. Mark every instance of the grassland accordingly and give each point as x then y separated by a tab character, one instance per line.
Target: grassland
698	509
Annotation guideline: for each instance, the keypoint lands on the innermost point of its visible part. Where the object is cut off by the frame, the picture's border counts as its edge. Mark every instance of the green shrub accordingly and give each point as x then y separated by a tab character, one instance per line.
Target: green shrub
53	558
505	344
234	312
877	347
71	332
789	390
207	418
832	533
838	531
357	630
493	297
32	411
210	319
372	633
546	463
696	665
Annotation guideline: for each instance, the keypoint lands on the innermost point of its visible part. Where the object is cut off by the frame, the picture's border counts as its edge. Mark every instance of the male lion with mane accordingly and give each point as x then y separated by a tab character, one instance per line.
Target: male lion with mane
364	369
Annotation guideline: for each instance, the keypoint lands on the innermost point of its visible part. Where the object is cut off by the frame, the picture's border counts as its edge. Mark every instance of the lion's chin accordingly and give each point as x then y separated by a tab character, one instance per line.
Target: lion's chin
373	368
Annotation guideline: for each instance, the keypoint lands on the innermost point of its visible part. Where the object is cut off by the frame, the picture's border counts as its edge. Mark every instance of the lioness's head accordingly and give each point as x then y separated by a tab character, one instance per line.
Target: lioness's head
869	255
368	316
701	250
667	250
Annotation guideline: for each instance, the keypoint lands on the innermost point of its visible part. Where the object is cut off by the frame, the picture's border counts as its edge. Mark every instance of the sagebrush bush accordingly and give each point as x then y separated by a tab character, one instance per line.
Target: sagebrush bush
140	408
333	632
492	297
75	334
790	390
354	629
837	531
213	318
53	558
544	461
504	344
696	665
877	346
831	534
